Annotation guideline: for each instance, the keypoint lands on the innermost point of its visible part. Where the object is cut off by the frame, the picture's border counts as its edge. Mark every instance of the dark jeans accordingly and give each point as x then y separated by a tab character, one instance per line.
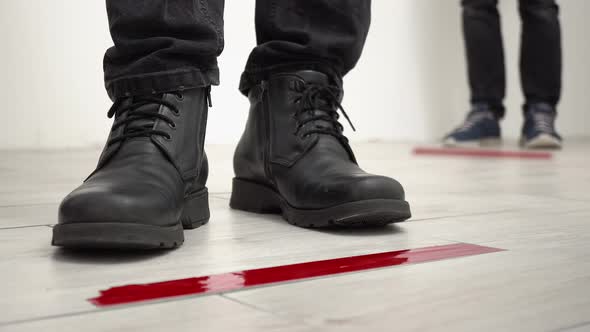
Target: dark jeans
540	57
167	45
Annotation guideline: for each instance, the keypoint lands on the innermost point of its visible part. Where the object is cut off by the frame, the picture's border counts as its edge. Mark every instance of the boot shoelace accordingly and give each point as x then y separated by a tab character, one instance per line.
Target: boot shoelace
134	113
543	122
324	98
473	119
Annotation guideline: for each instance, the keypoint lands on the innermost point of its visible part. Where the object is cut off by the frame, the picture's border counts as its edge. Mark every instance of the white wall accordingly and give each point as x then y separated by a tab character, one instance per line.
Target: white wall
409	85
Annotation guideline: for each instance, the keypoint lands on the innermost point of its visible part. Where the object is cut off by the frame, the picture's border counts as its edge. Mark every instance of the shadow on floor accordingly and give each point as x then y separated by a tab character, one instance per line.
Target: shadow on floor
362	232
106	257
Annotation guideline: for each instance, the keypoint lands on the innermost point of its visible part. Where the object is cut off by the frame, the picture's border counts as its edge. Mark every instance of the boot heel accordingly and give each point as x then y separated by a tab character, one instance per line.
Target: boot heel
196	210
253	197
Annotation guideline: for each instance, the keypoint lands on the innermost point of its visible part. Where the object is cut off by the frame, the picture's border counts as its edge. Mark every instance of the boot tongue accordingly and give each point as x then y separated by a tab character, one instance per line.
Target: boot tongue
313	77
541	108
321	80
328	143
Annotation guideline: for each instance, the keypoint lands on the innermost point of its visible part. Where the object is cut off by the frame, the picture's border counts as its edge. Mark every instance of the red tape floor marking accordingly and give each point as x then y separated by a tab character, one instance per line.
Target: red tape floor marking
232	281
465	152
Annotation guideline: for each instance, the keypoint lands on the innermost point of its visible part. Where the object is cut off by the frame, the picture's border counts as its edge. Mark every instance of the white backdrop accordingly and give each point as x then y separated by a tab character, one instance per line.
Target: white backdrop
409	85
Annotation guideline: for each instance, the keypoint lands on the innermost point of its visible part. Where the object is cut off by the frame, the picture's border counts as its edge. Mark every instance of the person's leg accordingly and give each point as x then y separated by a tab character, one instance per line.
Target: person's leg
485	67
150	180
293	157
540	66
324	35
162	45
485	53
540	59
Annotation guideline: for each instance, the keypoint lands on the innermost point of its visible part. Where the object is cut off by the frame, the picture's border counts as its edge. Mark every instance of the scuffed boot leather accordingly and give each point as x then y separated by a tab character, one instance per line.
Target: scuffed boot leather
294	160
150	178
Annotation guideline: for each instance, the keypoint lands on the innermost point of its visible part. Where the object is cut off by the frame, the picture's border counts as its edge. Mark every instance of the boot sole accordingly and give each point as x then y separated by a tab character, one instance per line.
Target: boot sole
253	197
542	141
113	235
484	143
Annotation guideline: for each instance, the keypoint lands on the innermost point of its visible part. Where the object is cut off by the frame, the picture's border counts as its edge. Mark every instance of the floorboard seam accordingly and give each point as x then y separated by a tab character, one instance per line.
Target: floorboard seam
467	215
571	327
252	306
26	205
48	317
28	226
558	198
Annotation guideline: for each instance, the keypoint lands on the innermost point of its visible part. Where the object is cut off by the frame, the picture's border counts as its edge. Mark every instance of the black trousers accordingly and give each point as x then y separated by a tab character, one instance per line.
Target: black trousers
167	45
540	57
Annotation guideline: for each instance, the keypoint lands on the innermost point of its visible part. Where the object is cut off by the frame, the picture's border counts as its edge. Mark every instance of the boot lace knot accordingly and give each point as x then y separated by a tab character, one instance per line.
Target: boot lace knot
319	105
474	119
140	122
543	122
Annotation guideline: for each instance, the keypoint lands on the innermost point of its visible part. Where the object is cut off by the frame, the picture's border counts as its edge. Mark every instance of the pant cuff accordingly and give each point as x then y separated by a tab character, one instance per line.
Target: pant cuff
496	106
254	75
159	82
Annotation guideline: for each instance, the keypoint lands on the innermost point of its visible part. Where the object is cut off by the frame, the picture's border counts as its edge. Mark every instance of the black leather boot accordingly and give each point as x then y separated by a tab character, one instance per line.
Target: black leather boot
150	178
293	159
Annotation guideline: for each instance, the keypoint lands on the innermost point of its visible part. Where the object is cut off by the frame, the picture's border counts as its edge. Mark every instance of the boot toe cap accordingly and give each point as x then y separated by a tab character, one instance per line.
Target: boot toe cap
104	204
347	189
377	187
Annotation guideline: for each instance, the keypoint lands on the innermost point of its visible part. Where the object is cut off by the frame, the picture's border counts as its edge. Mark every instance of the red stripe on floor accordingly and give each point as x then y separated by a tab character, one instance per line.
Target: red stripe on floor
232	281
465	152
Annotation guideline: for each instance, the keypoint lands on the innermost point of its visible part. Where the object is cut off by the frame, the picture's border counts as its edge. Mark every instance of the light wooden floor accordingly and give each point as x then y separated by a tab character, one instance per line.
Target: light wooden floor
538	210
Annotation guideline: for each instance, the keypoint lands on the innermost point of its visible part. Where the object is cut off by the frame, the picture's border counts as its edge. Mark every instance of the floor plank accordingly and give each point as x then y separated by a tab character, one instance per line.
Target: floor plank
538	210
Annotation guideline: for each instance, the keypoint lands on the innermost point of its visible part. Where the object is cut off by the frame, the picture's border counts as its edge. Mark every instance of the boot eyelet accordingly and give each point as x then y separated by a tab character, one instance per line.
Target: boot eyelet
167	138
172	125
176	113
179	96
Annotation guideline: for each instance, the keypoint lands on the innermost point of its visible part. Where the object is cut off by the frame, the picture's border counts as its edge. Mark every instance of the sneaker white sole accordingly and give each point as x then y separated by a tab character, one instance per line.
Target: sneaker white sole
486	142
543	141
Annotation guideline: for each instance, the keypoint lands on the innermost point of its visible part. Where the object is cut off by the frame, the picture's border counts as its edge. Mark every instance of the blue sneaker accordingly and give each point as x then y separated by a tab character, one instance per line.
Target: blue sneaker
481	128
538	131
